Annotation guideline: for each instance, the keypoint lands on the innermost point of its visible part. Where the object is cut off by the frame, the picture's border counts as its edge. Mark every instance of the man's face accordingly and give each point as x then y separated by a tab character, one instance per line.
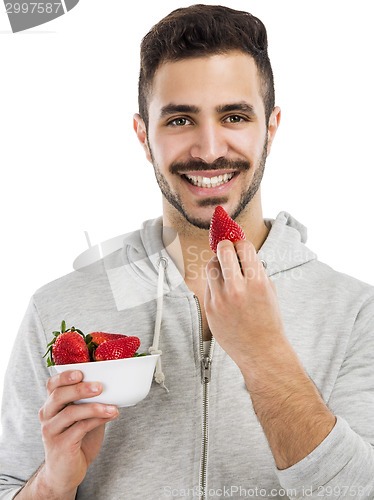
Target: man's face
207	136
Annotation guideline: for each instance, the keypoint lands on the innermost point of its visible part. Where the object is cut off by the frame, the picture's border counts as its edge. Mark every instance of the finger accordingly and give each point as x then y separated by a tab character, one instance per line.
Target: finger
207	295
64	395
77	432
228	260
75	413
251	265
214	273
65	378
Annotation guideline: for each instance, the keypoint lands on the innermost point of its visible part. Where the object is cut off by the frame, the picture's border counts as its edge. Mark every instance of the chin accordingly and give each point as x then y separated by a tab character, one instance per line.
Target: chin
199	222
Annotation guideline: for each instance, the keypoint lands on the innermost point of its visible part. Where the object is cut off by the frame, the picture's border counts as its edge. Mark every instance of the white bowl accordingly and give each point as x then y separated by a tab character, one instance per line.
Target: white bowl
125	381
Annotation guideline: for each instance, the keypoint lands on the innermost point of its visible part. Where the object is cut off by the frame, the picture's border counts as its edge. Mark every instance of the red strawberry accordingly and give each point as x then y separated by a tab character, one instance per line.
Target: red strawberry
222	227
100	337
68	346
117	349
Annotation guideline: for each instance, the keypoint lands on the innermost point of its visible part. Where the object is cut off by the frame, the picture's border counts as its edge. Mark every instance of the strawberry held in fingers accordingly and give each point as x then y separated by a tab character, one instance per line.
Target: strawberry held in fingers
223	227
117	349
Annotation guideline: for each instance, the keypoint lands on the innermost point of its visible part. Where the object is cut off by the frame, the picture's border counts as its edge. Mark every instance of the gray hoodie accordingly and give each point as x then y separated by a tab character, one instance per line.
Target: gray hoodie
155	450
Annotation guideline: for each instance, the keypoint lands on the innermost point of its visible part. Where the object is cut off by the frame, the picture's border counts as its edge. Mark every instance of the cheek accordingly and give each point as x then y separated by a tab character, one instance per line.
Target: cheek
167	148
248	145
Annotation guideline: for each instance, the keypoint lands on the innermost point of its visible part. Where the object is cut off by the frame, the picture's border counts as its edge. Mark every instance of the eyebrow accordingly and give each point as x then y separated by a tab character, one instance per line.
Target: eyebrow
170	109
241	106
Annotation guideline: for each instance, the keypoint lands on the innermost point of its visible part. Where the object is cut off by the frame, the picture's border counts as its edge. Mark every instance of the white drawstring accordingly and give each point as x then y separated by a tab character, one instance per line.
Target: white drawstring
159	375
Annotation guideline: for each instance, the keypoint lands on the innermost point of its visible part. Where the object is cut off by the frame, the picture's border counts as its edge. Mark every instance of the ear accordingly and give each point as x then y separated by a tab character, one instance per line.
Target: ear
141	132
274	121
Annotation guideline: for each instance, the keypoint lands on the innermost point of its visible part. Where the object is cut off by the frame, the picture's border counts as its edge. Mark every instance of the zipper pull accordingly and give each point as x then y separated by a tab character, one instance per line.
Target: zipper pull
206	367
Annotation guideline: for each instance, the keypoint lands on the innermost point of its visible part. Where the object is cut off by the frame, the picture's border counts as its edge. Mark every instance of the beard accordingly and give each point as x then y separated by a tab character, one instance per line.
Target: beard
219	164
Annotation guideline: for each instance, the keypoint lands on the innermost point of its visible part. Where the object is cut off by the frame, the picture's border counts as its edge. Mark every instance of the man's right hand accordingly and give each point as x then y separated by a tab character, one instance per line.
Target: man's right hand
72	436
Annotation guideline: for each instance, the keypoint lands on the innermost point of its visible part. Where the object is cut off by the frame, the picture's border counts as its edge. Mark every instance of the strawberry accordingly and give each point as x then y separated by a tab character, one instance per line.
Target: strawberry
100	337
68	346
117	349
222	227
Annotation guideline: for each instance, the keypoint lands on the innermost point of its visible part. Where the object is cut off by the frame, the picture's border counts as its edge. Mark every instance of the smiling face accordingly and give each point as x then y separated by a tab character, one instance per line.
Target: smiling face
207	136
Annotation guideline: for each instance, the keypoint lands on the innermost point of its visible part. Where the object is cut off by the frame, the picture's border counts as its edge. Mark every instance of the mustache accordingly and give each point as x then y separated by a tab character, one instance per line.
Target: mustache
219	164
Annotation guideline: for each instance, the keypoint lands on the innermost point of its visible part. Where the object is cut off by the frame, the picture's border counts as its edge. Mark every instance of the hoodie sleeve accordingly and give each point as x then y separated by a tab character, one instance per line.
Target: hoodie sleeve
342	466
21	446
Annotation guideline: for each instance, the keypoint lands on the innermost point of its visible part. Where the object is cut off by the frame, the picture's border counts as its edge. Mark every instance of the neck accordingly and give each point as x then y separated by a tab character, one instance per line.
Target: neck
194	252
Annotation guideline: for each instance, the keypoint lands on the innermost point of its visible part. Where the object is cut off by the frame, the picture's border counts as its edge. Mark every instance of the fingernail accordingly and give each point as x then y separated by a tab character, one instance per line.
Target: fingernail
95	387
111	409
74	376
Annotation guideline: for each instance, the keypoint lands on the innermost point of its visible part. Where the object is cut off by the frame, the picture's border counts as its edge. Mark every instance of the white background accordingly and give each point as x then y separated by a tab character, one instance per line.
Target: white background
70	161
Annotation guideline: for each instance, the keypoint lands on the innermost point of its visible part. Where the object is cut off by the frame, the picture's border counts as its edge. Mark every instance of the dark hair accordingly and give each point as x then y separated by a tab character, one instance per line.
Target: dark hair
201	30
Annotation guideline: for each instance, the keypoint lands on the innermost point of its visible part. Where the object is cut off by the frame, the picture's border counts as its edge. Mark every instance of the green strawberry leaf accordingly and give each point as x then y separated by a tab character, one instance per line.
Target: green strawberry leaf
50	363
63	326
92	346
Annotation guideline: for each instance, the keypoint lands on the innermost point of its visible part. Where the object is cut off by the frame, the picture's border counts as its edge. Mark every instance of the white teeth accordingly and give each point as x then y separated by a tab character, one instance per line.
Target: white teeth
208	182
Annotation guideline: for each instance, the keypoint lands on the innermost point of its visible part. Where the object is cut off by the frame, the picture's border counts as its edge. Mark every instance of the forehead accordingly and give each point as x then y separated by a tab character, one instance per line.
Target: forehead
206	82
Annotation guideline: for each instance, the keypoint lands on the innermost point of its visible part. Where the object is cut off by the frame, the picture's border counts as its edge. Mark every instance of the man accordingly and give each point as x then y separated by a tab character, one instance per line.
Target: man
283	405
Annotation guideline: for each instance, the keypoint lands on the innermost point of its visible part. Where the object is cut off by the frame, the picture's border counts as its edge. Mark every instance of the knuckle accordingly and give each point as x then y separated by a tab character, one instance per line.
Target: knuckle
69	411
234	292
41	414
78	390
254	274
50	383
54	397
235	295
260	289
46	430
99	408
83	425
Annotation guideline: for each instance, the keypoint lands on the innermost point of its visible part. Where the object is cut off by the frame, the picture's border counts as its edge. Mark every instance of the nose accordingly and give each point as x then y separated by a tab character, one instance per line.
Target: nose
209	143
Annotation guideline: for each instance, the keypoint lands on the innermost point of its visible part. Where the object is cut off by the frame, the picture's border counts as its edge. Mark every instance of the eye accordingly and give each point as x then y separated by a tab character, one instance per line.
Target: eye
179	122
235	119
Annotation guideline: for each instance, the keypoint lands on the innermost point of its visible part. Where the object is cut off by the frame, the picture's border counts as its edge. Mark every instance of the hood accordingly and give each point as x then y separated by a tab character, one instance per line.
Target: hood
285	248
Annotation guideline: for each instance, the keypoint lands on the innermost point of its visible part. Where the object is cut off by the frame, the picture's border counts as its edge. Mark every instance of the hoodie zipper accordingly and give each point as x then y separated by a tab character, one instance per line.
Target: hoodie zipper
206	366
